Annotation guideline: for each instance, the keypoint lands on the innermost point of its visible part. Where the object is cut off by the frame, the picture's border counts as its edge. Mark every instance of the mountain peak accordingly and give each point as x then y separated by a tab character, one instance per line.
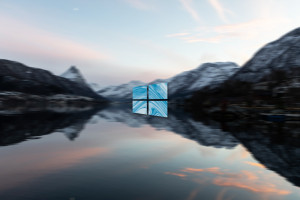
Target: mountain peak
74	74
73	68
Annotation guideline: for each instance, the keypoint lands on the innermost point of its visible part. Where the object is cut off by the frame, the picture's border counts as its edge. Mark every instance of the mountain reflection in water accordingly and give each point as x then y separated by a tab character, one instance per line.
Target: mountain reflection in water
218	166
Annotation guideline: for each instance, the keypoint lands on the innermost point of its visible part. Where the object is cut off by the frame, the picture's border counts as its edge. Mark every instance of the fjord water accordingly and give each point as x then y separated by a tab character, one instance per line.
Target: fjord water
115	154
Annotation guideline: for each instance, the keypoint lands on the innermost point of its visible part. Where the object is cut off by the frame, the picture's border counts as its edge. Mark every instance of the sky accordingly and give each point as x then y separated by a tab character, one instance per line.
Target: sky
116	41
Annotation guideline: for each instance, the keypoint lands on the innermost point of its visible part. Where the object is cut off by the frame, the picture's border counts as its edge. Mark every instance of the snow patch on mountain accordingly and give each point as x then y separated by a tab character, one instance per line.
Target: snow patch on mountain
208	75
121	92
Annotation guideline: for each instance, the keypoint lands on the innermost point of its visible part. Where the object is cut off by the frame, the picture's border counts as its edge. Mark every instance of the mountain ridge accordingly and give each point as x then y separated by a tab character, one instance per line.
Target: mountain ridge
15	76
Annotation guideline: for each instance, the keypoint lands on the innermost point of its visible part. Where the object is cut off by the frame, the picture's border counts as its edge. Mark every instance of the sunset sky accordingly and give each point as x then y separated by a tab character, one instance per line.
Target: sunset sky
115	41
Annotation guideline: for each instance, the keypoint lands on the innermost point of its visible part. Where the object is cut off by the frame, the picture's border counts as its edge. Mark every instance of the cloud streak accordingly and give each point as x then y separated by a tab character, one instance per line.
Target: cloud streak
255	164
187	5
176	174
220	9
213	170
244	179
248	30
249	181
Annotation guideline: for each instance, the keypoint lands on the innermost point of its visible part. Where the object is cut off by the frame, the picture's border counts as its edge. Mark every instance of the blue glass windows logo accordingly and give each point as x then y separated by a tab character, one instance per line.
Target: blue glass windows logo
151	100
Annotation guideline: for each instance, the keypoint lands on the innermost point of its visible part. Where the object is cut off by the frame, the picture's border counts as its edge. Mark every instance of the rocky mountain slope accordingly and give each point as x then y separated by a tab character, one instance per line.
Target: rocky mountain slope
282	55
15	76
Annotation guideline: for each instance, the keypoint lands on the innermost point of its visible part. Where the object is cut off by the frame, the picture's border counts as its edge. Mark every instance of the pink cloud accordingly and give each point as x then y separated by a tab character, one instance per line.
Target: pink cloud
255	164
213	170
176	174
247	180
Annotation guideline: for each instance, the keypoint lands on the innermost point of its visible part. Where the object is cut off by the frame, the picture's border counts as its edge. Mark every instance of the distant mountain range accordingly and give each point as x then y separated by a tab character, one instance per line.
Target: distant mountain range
207	75
121	92
183	85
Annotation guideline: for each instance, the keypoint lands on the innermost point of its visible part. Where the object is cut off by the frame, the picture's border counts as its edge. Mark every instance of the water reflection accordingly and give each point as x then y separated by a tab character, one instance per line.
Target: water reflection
275	145
178	122
130	153
19	128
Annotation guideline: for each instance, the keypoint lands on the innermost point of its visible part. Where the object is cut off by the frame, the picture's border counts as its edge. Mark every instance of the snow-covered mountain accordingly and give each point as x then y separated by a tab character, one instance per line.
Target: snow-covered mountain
120	92
73	74
282	55
207	75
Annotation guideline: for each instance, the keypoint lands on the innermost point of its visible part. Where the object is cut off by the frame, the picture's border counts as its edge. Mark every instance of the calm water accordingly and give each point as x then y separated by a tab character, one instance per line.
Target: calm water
114	154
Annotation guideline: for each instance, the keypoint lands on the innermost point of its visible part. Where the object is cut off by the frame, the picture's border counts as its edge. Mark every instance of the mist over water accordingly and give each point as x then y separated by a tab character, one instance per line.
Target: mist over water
115	154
